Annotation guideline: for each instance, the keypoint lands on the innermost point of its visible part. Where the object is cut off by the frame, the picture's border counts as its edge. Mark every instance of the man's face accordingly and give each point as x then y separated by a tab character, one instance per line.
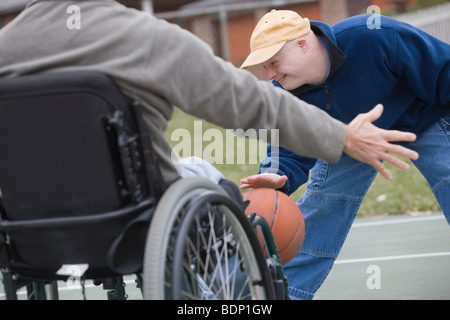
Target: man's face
289	66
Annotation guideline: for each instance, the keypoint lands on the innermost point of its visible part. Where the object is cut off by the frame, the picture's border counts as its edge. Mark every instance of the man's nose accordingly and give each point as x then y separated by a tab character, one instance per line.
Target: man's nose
270	74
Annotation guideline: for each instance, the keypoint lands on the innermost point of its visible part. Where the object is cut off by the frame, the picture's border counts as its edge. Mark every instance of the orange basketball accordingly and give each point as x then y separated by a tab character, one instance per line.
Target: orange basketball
283	216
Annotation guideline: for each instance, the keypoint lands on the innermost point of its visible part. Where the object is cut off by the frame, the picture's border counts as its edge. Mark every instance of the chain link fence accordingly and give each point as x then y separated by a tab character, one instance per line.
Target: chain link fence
434	20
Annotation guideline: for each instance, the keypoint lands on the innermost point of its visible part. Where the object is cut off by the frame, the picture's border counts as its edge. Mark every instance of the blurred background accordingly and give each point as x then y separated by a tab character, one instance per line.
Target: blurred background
226	25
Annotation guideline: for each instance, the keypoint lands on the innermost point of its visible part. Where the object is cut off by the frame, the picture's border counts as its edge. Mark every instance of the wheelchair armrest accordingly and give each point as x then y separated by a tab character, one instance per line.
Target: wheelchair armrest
8	226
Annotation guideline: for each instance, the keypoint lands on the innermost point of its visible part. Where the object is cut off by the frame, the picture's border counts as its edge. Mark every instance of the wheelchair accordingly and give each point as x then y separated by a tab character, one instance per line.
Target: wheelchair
80	190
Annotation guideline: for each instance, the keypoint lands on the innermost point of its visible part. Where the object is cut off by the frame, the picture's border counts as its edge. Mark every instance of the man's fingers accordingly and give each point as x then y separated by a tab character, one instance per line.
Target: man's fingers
386	157
248	179
265	180
367	143
402	151
245	186
375	113
396	162
378	165
395	135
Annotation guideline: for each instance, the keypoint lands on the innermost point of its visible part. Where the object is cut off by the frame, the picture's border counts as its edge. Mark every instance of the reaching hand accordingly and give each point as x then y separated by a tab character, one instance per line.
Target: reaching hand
364	142
367	143
264	180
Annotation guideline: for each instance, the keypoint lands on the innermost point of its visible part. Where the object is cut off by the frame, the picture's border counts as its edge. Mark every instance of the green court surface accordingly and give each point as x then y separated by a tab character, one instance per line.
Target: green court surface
399	257
392	258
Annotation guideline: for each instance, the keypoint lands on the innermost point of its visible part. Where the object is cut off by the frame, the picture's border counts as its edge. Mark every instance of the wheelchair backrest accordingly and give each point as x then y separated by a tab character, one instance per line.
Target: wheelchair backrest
70	152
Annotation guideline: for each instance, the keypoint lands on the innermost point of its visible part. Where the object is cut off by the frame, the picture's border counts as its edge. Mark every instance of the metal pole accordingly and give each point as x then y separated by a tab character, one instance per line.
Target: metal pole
223	17
147	6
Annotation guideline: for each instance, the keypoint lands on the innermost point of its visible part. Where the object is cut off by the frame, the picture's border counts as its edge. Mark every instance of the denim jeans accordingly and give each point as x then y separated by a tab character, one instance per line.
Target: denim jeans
334	195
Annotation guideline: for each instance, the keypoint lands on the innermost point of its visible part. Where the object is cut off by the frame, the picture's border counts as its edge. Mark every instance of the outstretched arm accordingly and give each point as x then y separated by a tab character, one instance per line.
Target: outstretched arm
364	142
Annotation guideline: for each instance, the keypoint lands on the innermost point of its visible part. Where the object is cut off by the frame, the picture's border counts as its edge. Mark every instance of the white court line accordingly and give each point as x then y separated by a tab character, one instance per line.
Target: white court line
409	256
396	221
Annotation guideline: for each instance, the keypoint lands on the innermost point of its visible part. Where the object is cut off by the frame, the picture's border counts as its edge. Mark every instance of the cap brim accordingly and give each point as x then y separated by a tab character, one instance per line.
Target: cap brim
262	55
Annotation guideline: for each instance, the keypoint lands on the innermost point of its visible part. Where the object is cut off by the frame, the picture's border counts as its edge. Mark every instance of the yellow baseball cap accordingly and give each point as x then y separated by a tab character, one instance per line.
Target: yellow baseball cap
272	32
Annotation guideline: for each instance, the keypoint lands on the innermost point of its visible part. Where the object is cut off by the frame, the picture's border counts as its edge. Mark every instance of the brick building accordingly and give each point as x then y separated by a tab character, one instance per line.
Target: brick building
226	25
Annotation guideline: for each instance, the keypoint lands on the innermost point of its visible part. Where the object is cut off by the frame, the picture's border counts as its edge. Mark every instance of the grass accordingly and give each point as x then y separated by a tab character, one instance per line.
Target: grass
407	193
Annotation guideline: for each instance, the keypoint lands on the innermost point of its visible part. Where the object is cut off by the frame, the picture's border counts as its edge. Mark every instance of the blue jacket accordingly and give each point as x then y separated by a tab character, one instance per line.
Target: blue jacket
397	65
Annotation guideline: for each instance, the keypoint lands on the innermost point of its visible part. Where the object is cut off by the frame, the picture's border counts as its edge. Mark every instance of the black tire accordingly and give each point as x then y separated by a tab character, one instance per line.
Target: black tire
170	216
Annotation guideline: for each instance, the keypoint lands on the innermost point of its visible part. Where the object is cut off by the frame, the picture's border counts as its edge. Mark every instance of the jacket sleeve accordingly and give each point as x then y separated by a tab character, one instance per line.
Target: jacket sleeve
186	73
285	162
424	61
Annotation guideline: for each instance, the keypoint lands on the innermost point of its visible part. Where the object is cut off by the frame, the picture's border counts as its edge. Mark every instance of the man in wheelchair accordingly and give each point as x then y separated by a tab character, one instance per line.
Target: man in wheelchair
85	164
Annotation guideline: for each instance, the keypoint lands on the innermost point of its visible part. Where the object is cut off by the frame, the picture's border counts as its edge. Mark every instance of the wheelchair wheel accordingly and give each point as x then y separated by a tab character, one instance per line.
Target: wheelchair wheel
202	246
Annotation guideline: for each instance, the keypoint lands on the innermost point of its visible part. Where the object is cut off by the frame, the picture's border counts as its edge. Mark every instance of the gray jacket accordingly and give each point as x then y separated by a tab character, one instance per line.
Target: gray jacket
163	66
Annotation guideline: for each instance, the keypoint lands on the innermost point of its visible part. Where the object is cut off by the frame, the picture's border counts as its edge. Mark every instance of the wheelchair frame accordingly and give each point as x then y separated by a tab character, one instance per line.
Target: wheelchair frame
147	207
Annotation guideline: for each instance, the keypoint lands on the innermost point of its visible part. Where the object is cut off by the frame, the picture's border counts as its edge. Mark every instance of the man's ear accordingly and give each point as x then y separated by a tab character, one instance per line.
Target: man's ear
302	44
